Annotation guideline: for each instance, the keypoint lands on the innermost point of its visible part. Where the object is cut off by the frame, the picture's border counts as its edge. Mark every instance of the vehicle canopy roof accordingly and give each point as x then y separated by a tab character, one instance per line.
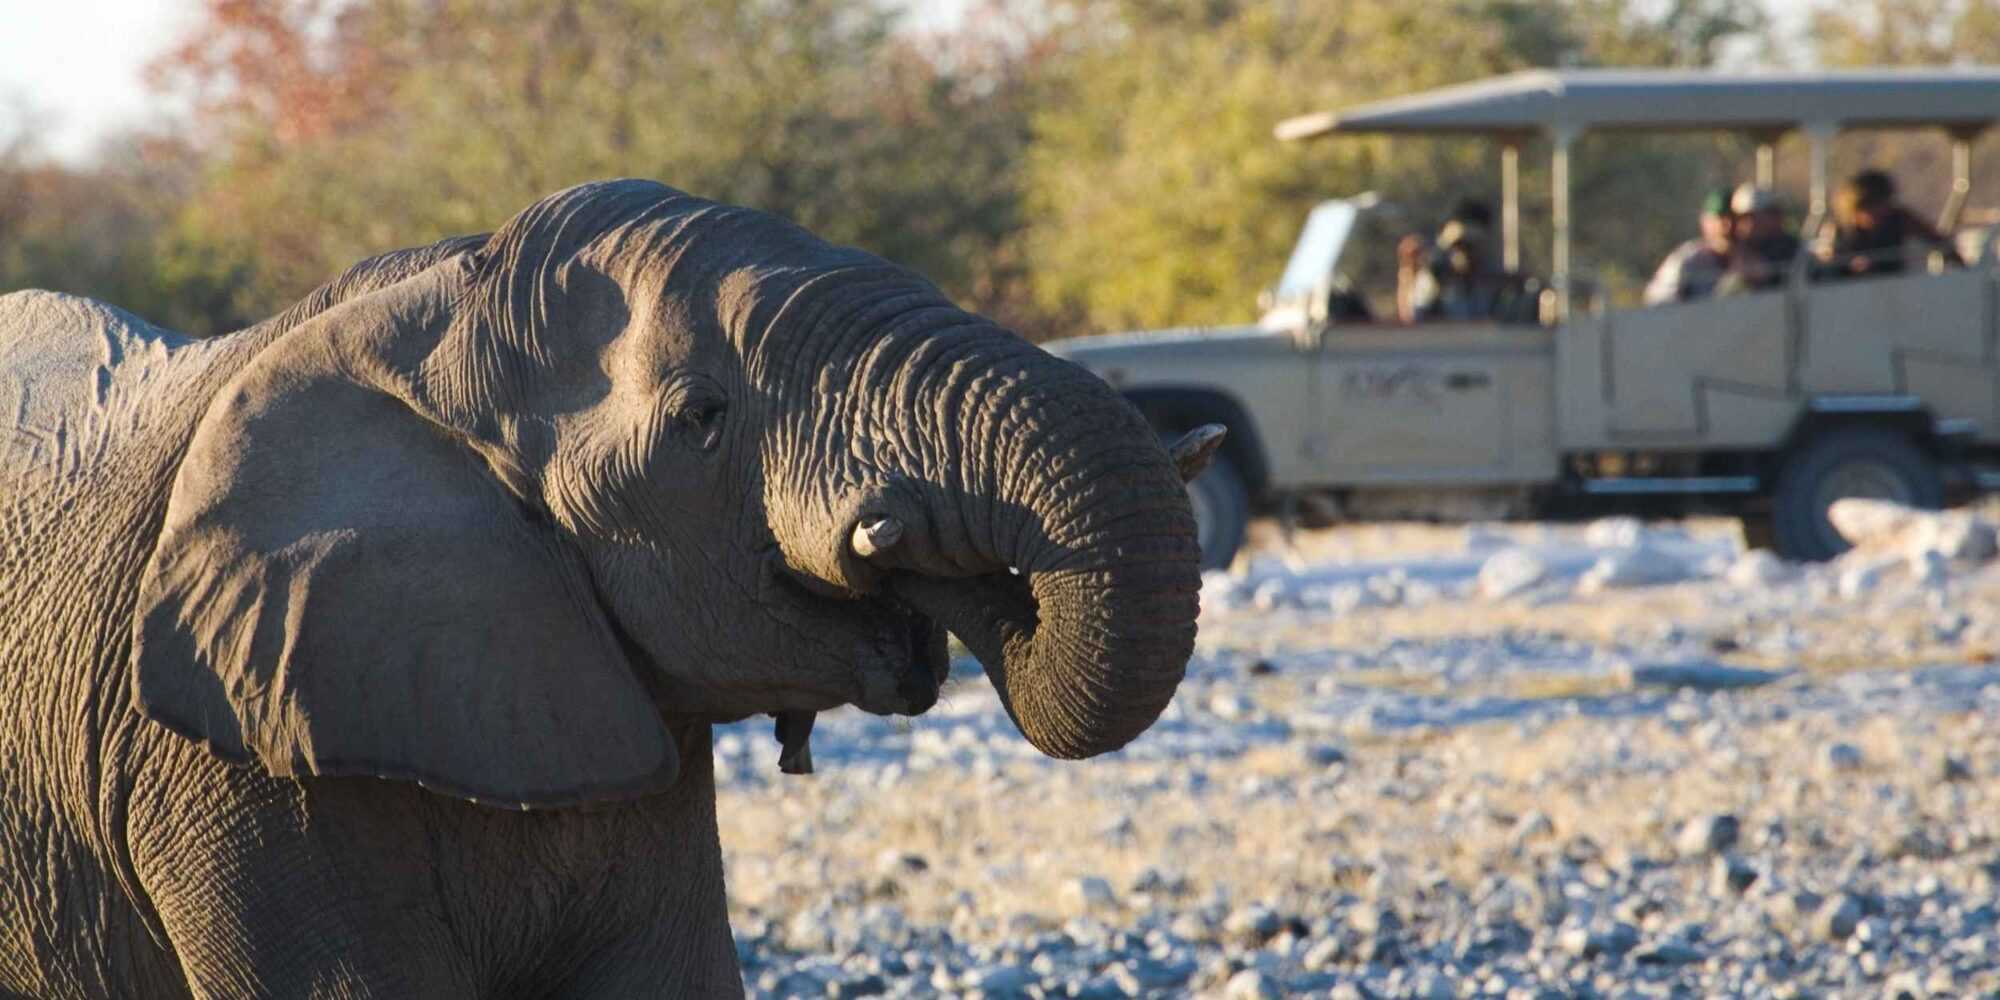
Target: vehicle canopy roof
1577	100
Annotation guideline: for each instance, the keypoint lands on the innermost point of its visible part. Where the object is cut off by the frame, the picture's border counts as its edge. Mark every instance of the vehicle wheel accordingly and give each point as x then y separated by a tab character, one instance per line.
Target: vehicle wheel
1221	512
1859	462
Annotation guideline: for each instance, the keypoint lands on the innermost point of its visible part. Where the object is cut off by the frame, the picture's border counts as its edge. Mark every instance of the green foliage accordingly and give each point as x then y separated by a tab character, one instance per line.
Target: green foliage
1157	195
1067	166
1861	33
814	110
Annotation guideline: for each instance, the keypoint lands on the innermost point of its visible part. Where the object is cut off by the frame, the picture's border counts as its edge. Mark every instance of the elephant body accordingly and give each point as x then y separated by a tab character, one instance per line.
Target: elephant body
125	849
373	650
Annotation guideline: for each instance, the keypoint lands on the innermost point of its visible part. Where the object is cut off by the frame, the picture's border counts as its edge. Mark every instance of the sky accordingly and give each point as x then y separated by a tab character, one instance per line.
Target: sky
78	63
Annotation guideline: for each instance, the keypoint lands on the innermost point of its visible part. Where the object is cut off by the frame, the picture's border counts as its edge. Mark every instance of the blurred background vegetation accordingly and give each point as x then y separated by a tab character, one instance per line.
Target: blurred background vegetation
1065	166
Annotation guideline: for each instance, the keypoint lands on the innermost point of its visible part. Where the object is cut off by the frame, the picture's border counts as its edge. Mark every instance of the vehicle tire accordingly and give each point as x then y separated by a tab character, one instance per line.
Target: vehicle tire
1221	513
1856	462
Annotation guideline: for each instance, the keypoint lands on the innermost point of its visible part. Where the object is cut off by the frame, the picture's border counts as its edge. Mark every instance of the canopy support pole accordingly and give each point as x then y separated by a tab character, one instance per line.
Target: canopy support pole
1510	206
1961	180
1559	264
1819	146
1767	165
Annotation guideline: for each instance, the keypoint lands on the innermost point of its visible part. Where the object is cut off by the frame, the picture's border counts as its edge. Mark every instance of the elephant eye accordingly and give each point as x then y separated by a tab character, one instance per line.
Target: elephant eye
702	420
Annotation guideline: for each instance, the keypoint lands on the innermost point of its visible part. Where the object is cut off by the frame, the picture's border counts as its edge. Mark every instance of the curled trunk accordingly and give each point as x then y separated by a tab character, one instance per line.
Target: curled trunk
1064	557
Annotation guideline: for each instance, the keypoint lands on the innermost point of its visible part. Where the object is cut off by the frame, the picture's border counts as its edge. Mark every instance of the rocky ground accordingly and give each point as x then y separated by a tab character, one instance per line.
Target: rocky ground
1426	762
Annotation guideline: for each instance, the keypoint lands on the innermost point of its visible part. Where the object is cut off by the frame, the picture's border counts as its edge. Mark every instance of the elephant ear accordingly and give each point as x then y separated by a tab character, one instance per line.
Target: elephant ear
343	587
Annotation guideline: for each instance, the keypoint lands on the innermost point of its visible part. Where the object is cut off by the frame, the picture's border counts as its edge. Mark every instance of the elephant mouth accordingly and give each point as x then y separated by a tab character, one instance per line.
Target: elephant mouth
921	643
900	655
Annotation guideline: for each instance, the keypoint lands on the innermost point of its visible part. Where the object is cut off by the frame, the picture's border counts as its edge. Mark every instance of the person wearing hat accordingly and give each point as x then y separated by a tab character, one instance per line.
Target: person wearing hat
1872	230
1695	268
1459	280
1762	249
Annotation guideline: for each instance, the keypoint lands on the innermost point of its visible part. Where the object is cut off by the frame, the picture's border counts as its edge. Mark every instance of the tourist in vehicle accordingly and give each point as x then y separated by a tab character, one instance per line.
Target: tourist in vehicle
1872	229
1457	278
1695	268
1762	249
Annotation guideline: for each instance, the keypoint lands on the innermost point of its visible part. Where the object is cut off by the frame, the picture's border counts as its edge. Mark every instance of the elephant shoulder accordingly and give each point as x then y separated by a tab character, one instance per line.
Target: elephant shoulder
67	365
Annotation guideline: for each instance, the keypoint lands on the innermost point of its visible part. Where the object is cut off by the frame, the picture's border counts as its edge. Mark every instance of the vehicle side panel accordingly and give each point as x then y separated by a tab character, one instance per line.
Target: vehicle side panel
1924	335
1668	363
1446	403
1737	371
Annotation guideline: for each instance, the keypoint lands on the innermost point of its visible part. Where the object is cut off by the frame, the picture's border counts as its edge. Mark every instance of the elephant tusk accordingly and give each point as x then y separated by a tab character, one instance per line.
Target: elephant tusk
1193	451
872	538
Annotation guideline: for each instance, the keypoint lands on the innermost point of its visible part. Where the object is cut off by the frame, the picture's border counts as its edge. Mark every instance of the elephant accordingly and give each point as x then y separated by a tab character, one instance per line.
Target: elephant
374	650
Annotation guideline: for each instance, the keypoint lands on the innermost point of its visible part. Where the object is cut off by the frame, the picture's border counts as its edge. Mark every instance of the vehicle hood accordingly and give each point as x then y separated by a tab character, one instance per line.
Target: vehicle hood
1180	342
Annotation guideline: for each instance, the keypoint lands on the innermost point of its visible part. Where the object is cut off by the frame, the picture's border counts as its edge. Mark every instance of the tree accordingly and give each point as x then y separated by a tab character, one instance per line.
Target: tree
1157	194
1910	33
392	122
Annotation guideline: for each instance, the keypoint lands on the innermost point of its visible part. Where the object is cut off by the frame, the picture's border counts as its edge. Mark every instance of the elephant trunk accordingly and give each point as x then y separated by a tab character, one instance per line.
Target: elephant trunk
1057	540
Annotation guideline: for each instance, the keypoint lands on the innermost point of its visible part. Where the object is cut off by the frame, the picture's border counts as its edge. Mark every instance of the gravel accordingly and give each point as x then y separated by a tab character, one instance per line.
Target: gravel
1452	793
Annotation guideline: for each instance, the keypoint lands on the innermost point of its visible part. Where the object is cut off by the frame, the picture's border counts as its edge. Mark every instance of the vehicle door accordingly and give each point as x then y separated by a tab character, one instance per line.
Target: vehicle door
1433	403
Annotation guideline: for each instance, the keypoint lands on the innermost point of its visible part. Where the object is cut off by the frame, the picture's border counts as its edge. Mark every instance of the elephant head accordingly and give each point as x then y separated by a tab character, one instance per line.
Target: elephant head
639	459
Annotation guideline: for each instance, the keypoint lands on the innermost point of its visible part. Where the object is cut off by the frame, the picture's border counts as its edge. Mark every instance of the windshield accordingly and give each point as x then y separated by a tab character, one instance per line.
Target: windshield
1318	249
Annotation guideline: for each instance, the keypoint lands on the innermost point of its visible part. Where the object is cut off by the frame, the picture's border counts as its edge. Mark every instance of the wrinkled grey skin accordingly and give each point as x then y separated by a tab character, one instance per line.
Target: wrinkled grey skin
509	522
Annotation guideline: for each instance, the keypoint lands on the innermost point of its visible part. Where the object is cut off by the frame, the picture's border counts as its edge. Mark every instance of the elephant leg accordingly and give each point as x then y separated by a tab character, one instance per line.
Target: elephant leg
652	965
264	893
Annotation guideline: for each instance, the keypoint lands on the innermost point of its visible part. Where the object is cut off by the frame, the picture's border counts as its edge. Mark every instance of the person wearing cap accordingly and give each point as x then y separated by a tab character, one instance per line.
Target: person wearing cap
1762	250
1695	268
1458	281
1871	229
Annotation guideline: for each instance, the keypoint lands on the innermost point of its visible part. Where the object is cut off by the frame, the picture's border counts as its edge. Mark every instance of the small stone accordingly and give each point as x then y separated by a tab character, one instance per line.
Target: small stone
1844	757
1251	984
1731	876
866	986
1510	572
1232	706
1941	982
1261	668
1150	880
1903	986
1614	533
1757	569
1532	826
1929	569
1000	980
1668	953
1432	986
1837	917
1145	973
1637	566
1577	941
1374	920
1088	893
1256	924
1863	576
1711	834
901	863
1324	954
1099	988
1955	768
1616	940
1271	595
1323	754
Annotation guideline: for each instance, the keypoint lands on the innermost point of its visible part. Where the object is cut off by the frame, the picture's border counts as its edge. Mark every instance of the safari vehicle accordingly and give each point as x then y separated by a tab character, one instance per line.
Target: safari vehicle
1765	405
